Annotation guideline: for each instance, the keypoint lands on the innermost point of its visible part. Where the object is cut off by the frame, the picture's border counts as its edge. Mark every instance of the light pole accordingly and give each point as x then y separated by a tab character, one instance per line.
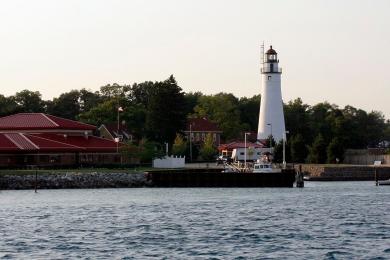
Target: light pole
245	134
120	109
284	148
270	137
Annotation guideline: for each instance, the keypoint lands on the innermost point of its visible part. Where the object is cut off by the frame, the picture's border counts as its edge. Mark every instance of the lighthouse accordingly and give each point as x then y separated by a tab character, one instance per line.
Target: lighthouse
271	117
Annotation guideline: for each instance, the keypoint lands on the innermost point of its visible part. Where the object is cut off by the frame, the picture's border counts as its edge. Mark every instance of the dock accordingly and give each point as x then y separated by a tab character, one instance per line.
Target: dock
215	178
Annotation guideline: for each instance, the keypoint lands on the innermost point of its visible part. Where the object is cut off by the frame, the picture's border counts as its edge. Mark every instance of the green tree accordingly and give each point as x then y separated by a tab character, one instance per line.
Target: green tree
103	113
115	91
317	151
335	151
298	149
149	150
191	100
145	151
278	152
318	116
386	132
297	119
223	109
249	112
129	151
179	146
29	101
89	99
67	105
208	150
8	106
165	112
194	151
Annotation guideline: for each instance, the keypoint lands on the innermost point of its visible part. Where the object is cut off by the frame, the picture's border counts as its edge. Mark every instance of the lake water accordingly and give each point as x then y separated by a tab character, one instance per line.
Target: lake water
324	220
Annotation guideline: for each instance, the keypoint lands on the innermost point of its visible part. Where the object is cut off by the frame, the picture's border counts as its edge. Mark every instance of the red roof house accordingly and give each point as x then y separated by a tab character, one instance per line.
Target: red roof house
198	128
26	138
110	131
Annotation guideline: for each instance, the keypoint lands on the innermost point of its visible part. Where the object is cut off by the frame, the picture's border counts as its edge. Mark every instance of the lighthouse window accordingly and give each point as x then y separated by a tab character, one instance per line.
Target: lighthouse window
269	77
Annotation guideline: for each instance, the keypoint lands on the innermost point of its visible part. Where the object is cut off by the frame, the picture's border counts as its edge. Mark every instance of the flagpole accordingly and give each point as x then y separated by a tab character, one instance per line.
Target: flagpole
117	131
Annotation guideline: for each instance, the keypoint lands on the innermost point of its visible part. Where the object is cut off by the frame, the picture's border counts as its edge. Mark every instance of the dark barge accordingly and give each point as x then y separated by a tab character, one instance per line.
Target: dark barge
216	178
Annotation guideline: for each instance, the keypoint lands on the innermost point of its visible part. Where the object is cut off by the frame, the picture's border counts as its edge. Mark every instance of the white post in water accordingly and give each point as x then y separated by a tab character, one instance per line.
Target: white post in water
271	107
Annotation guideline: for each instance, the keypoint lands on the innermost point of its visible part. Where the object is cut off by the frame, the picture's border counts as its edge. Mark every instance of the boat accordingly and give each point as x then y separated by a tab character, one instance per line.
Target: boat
264	167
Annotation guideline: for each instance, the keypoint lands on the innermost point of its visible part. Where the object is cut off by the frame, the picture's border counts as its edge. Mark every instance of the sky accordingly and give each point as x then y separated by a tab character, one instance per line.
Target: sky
331	50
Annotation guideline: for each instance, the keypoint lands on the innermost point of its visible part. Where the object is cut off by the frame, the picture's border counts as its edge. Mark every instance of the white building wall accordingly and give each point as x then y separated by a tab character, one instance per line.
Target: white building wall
238	154
169	162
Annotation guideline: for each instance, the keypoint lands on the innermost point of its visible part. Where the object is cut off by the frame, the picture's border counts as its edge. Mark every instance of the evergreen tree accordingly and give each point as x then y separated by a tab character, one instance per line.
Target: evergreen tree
317	151
278	152
298	150
335	151
165	112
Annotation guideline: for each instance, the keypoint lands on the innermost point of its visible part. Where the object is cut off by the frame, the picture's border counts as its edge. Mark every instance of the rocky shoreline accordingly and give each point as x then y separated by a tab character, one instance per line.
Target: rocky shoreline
74	180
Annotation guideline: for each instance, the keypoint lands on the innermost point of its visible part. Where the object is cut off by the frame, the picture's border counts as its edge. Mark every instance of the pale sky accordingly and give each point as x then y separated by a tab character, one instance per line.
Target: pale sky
331	50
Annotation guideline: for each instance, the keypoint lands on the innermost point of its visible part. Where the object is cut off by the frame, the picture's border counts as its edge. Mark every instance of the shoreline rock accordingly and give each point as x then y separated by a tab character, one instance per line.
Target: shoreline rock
323	172
75	180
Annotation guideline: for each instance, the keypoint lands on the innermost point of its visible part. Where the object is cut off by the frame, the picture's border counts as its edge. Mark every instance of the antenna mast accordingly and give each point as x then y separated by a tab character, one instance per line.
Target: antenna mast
262	53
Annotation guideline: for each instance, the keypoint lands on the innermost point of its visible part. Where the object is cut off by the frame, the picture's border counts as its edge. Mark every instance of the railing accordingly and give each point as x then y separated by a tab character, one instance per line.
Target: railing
269	70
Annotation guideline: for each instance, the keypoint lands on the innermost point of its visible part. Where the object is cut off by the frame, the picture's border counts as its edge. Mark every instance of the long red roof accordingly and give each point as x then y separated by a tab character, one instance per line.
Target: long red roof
90	143
22	142
235	145
40	121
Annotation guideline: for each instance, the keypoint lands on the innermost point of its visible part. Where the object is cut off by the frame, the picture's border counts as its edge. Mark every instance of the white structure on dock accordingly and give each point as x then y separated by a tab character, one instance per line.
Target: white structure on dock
169	162
271	117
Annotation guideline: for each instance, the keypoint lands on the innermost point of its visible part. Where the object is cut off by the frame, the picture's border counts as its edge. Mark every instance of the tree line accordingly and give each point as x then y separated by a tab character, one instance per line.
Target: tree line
157	112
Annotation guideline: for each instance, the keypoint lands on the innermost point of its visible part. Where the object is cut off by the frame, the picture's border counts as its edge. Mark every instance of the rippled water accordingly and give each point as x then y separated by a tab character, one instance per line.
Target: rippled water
325	220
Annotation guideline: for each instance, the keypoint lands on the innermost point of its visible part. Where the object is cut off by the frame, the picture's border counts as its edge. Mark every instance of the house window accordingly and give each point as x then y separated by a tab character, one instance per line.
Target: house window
214	137
269	77
242	153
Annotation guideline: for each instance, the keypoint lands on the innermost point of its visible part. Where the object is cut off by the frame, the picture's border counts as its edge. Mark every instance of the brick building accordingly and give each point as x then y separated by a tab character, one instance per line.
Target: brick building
198	128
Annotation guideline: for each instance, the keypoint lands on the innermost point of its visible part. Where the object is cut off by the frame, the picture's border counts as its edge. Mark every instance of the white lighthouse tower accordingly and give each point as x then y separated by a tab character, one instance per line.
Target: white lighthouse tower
271	117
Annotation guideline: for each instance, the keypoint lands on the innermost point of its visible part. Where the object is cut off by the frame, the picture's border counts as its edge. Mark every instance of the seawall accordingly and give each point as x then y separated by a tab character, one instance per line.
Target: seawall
326	172
74	180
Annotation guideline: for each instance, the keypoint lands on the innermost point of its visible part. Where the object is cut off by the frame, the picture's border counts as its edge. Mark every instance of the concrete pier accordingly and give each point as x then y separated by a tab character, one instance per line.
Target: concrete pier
215	178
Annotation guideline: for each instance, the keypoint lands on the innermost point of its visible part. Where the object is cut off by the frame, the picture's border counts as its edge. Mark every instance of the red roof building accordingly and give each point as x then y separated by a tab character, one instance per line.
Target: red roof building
198	128
235	145
110	131
44	140
41	122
